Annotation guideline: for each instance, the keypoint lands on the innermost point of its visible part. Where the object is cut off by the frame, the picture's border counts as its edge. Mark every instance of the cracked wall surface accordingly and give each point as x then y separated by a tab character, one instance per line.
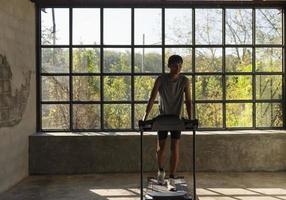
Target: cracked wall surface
12	107
17	88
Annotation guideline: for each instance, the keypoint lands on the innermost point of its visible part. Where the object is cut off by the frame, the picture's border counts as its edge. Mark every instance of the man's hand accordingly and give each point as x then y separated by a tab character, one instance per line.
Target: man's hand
145	117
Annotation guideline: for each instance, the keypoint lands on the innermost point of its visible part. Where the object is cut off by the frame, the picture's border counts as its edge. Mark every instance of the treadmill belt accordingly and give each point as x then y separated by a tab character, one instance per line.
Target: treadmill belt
156	191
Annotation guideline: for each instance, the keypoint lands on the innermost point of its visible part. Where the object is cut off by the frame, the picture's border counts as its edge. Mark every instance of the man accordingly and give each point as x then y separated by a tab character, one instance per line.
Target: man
171	87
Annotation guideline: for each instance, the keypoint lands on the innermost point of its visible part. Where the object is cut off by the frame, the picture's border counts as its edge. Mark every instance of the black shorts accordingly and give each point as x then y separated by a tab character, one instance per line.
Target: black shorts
164	134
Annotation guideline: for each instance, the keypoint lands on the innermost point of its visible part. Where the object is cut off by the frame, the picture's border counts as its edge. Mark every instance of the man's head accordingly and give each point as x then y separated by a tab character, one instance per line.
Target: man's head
175	64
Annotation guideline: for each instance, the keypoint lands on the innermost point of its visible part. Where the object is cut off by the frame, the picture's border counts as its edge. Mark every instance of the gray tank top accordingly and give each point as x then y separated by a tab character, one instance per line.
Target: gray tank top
171	94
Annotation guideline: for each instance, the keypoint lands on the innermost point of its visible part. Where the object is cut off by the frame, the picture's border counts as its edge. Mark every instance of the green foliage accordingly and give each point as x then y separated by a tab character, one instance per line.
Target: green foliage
117	116
118	88
55	60
239	87
86	60
208	88
269	115
143	87
209	115
152	62
239	115
117	62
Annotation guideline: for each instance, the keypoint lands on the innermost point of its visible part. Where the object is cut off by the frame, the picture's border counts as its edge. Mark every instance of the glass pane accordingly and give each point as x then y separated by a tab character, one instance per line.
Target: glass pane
239	87
86	26
238	59
143	87
209	115
117	60
117	116
269	59
178	26
55	88
208	60
86	60
148	60
117	26
140	111
208	87
208	26
269	115
86	88
239	114
117	88
269	86
55	116
184	109
268	26
186	54
55	60
238	26
148	26
86	116
55	26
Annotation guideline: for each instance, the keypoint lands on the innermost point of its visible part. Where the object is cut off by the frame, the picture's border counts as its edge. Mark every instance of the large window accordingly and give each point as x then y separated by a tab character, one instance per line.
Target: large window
98	65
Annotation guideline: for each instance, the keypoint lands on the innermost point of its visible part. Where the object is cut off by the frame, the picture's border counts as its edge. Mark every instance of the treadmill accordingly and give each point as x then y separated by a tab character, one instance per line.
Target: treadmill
156	191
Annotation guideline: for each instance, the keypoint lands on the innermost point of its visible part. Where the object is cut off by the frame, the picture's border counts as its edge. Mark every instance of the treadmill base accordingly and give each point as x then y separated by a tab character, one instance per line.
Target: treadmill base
156	191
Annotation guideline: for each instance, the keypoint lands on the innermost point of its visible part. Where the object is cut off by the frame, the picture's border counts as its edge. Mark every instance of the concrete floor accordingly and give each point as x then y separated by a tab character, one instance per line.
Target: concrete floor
211	186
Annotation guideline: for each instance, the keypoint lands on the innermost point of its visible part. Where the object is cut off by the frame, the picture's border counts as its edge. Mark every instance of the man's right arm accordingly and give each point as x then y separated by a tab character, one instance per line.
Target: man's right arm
152	98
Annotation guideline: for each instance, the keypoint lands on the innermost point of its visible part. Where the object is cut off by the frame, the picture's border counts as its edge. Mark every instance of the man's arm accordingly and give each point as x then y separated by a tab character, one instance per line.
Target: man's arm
152	98
188	99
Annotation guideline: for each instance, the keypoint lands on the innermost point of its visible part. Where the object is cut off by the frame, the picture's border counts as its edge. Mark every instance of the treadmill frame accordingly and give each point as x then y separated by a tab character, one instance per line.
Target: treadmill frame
150	122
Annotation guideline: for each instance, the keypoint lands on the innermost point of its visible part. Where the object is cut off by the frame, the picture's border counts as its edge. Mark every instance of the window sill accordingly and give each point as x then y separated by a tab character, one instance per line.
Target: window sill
234	132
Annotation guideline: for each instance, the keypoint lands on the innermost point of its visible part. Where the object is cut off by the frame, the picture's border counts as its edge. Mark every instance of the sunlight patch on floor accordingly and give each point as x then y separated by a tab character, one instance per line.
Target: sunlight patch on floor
241	193
231	191
118	194
203	193
269	191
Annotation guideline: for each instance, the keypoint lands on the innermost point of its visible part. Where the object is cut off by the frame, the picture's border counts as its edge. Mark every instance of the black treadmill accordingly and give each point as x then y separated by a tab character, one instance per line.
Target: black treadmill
154	190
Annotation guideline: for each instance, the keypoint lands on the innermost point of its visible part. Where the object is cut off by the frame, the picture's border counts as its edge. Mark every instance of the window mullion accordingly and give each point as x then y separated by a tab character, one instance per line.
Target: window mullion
133	125
284	67
193	64
101	71
253	68
223	71
70	69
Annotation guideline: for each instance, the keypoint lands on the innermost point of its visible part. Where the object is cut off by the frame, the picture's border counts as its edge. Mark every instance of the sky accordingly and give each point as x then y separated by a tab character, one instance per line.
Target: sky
117	25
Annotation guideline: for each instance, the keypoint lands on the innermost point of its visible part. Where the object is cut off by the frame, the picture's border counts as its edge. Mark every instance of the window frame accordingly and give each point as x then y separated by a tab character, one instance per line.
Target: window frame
132	74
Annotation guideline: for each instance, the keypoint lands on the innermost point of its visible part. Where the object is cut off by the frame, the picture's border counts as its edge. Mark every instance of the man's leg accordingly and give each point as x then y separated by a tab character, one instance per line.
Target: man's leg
161	152
174	160
161	155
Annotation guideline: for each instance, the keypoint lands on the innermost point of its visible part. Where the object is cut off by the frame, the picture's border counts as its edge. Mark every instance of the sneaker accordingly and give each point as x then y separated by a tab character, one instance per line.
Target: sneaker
161	177
172	184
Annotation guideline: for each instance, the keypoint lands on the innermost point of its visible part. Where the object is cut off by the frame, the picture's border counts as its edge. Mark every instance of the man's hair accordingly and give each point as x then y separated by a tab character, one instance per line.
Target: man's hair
175	59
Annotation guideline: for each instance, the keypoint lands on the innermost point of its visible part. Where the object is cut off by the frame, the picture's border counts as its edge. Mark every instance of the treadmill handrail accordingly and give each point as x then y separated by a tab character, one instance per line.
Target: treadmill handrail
168	123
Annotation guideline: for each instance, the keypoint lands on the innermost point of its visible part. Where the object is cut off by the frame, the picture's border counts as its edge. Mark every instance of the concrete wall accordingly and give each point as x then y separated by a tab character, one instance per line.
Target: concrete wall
17	88
233	151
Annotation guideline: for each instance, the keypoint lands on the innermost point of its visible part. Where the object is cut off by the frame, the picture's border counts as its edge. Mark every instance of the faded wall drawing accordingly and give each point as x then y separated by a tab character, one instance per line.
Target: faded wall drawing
12	103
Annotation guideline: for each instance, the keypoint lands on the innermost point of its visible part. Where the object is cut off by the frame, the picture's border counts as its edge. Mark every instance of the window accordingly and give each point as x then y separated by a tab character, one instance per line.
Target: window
98	65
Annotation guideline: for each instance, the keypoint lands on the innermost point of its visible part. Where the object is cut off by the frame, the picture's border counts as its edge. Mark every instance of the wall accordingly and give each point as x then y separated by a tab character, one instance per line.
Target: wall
216	151
17	88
